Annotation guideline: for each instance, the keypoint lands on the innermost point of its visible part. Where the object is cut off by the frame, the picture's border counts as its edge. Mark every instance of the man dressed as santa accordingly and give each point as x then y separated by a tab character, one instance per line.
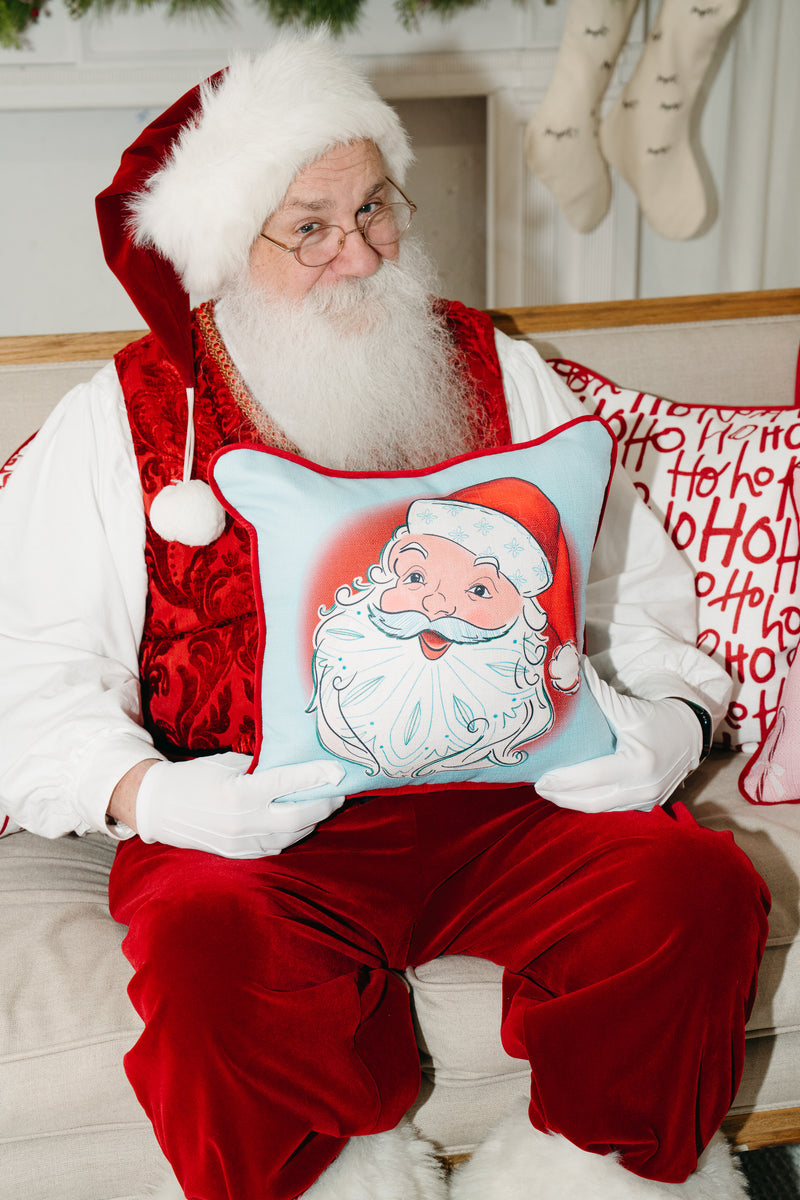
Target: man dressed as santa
278	1056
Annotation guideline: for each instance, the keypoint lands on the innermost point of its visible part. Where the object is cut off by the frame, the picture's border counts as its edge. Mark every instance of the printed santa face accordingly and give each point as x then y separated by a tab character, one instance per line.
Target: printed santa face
458	598
447	660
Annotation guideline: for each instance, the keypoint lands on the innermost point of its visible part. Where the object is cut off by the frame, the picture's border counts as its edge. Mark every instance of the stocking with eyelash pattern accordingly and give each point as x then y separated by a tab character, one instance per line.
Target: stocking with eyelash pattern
647	134
561	140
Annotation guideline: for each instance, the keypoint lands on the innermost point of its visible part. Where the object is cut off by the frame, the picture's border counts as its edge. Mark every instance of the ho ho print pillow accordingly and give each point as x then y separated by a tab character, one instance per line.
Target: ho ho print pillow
425	628
721	480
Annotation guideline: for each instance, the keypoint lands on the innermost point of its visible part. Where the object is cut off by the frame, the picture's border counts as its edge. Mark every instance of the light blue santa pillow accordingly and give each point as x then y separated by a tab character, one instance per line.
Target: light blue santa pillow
425	628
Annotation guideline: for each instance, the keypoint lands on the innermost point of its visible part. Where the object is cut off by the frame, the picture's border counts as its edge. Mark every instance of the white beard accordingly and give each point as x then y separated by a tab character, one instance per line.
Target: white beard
359	375
382	704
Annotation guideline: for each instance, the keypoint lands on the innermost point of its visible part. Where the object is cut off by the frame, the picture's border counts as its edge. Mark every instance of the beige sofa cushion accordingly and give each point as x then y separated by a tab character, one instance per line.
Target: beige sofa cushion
740	362
70	1124
28	392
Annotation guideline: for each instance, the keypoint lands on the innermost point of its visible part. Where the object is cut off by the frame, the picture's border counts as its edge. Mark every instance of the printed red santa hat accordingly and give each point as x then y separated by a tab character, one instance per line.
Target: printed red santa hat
194	189
512	522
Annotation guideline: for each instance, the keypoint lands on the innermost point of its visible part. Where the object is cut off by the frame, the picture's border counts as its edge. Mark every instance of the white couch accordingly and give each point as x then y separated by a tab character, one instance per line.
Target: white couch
70	1126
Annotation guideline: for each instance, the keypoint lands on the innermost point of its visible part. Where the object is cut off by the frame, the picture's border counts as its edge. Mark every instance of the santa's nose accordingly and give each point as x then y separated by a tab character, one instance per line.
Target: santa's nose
436	604
357	259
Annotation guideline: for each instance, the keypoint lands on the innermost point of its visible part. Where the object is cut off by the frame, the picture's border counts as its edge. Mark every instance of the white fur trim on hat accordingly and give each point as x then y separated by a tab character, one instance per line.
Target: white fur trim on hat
486	533
267	119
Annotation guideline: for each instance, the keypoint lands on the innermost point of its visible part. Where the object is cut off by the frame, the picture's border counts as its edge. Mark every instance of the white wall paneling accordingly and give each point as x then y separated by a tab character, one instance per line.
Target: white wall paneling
466	87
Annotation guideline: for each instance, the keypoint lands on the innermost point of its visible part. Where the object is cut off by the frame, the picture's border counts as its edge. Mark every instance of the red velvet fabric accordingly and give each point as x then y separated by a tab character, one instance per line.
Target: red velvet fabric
200	639
150	279
276	1029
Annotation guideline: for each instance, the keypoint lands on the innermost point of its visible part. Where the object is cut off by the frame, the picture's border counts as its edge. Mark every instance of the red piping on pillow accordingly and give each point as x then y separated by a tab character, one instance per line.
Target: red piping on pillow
410	473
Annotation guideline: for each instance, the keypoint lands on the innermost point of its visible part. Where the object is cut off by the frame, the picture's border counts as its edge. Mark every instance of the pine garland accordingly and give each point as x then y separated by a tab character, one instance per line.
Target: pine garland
17	16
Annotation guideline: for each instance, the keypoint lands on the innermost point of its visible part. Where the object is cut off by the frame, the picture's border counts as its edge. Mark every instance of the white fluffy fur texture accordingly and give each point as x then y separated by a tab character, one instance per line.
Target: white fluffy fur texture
517	1162
188	512
269	118
397	1165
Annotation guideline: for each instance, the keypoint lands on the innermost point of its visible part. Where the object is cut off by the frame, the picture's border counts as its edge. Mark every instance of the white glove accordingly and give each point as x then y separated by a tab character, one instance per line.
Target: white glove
211	804
658	743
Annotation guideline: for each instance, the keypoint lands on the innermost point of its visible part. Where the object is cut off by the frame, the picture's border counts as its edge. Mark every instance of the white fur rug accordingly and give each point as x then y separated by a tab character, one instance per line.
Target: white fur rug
517	1162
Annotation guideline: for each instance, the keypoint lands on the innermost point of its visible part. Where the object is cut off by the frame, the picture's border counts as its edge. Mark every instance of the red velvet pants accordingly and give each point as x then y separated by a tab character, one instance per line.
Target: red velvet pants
275	1027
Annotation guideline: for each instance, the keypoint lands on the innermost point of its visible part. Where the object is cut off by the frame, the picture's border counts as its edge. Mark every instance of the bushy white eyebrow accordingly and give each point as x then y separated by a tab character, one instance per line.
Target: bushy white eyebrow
414	546
307	205
326	204
488	562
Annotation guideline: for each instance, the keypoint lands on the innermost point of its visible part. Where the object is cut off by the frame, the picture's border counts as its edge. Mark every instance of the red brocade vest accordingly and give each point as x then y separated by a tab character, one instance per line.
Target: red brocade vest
200	640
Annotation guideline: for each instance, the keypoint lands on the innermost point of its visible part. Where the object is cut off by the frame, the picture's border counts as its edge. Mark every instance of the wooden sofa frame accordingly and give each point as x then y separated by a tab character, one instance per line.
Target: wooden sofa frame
79	347
746	1131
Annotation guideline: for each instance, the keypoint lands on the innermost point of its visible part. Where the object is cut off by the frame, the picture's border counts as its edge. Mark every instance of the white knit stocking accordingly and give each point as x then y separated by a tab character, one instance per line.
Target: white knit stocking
646	136
561	138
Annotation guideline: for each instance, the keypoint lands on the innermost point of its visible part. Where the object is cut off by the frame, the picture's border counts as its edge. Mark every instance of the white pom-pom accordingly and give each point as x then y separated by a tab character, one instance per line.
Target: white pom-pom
564	668
188	513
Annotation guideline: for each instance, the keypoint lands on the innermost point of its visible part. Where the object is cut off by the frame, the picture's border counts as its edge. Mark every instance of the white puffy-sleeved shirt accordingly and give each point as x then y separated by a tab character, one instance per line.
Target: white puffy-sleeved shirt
72	607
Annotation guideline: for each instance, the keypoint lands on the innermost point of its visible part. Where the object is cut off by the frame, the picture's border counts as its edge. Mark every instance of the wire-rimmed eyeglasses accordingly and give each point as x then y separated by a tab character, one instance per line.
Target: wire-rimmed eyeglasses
384	226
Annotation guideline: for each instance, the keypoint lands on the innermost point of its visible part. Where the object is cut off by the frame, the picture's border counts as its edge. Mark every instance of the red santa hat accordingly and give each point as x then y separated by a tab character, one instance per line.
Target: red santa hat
194	189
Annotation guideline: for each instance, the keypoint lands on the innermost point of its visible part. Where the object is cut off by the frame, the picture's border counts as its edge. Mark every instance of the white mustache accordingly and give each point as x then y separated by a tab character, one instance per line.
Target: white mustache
410	623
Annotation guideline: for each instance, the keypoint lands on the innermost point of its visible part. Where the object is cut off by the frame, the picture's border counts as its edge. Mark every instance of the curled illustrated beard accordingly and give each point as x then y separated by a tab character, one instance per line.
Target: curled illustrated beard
382	703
